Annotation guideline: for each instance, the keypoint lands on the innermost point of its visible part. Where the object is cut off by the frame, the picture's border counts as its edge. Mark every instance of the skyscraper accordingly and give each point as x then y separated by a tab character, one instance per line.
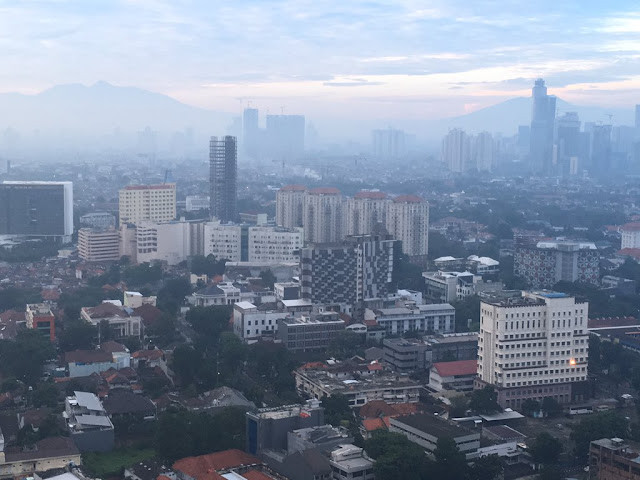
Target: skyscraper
484	152
542	120
408	221
322	217
285	136
389	143
223	175
154	203
290	206
568	141
250	132
456	151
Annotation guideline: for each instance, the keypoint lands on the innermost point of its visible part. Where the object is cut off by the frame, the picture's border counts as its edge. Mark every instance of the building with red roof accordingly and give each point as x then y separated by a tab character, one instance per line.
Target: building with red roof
457	375
213	465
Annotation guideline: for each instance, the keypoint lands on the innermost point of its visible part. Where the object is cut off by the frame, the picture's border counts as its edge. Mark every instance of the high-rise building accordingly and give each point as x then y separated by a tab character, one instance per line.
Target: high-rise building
637	125
38	317
223	173
365	212
630	233
484	152
322	220
37	209
601	150
285	136
408	221
567	141
99	245
251	132
542	125
389	143
290	206
456	151
347	273
154	203
533	345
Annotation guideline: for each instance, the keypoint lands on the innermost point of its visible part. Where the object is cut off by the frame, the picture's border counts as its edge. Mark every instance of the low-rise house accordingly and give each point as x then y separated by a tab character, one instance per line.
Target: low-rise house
213	465
123	404
121	319
82	363
349	462
151	469
47	454
457	375
88	423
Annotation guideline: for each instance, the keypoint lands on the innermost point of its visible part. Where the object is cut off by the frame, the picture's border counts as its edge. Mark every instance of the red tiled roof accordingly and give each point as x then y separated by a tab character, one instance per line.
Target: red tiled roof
148	313
88	356
408	199
325	191
607	322
630	252
106	310
631	227
374	367
256	475
166	186
112	347
377	408
148	354
461	367
371	424
293	188
313	365
405	408
202	467
371	195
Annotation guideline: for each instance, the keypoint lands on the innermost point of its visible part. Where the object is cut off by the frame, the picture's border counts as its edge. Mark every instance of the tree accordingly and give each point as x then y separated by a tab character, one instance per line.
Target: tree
77	335
530	407
337	409
345	345
209	321
186	363
268	278
484	400
459	406
172	294
142	274
593	427
467	309
45	395
450	461
551	407
546	449
208	265
25	357
397	457
489	467
163	329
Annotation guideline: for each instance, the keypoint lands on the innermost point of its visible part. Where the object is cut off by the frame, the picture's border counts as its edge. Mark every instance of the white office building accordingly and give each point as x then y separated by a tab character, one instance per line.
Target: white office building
630	235
408	221
275	244
223	241
533	345
155	203
290	206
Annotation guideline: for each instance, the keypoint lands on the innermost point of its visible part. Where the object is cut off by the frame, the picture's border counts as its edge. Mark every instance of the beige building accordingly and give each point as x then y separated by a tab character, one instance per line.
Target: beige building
275	244
98	245
223	241
408	221
155	203
533	345
290	206
365	211
630	235
323	215
127	240
47	454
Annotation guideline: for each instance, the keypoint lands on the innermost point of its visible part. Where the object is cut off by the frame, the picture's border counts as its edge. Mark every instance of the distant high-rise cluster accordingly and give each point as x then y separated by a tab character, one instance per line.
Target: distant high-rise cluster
282	139
389	143
462	152
223	174
327	216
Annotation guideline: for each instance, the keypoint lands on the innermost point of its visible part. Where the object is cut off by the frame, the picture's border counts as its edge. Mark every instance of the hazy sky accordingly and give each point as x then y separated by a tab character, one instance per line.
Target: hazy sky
377	58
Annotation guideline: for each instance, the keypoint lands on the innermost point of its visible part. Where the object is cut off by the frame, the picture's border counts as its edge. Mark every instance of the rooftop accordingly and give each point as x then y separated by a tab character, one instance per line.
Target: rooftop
457	368
324	191
200	468
432	425
293	188
408	199
370	195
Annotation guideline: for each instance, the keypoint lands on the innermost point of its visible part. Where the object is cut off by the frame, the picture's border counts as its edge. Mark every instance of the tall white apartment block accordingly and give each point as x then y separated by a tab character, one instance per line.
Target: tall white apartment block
290	206
223	241
456	151
155	203
533	345
323	219
275	244
365	211
98	245
408	221
630	235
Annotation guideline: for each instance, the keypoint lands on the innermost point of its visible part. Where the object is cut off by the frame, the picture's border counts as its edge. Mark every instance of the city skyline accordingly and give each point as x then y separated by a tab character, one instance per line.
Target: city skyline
395	59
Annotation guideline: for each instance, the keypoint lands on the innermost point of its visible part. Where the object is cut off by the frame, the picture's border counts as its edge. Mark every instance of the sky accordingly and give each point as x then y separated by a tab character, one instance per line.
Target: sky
349	58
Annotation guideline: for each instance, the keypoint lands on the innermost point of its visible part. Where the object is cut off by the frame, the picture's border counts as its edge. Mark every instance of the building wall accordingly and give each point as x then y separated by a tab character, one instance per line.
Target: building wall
543	267
304	337
329	275
98	245
269	244
94	440
155	203
223	173
290	206
86	369
408	221
20	468
323	222
467	444
630	238
223	241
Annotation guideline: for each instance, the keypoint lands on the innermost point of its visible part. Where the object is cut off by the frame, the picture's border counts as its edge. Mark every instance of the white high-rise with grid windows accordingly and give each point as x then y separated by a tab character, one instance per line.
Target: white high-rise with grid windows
153	203
533	345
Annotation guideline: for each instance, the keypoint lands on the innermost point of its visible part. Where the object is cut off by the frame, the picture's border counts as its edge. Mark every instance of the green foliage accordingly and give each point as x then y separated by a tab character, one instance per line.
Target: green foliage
29	252
546	449
209	322
16	298
24	358
440	246
346	345
186	363
77	335
138	275
484	401
467	309
181	434
593	427
550	472
172	294
268	278
601	304
396	457
629	269
459	406
337	409
450	461
132	343
489	467
530	406
551	407
110	464
50	427
109	277
45	395
405	274
207	265
163	330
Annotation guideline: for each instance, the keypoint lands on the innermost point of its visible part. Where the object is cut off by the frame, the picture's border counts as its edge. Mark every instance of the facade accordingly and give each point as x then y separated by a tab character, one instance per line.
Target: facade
630	235
542	128
223	177
408	221
405	354
533	345
458	375
171	242
223	241
249	322
366	212
290	206
121	321
275	244
154	203
349	462
359	268
613	459
453	347
456	151
323	437
99	245
323	215
37	209
550	262
100	220
433	318
193	203
268	428
309	332
484	152
39	317
442	287
88	423
425	429
47	454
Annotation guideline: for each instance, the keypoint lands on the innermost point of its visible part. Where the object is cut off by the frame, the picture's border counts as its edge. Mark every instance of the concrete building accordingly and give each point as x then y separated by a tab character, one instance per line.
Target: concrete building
223	178
127	239
550	262
453	347
458	375
613	459
630	235
125	324
290	206
286	290
432	318
171	242
154	203
443	287
405	355
533	345
37	209
99	245
324	437
275	244
194	203
366	212
268	428
542	129
88	423
426	429
456	151
250	322
618	285
484	152
38	317
323	215
388	143
349	462
310	332
408	221
46	454
223	241
100	220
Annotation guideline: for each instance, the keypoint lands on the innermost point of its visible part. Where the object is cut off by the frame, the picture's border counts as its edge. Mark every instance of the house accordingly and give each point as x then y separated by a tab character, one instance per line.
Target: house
213	465
82	363
47	454
88	423
120	318
126	404
150	469
458	375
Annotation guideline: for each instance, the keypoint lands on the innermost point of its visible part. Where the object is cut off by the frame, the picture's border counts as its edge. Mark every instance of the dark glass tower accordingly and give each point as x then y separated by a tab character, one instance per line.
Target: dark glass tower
542	120
223	176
